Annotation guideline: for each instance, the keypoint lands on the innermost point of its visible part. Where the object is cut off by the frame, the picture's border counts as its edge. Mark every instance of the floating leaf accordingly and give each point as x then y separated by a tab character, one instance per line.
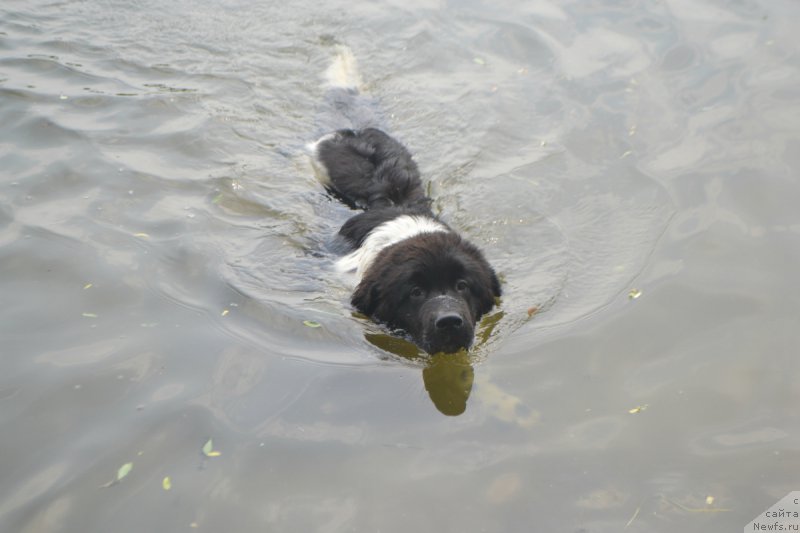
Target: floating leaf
709	500
225	312
696	509
89	315
637	409
87	286
312	324
532	311
208	449
634	293
166	483
141	235
124	470
479	60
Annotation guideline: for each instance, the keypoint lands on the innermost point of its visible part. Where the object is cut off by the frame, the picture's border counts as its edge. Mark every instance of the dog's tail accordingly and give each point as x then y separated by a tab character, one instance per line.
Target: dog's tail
343	70
359	163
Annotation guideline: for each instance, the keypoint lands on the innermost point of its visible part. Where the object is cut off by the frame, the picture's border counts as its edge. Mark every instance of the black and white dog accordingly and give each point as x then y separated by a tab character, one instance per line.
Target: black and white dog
415	274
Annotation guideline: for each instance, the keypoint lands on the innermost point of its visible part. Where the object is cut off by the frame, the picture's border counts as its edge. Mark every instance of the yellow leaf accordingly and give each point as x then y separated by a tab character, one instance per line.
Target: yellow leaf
166	483
208	449
124	470
208	446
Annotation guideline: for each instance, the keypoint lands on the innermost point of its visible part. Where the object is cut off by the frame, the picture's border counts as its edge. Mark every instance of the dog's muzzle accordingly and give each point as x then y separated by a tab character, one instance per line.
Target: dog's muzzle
447	325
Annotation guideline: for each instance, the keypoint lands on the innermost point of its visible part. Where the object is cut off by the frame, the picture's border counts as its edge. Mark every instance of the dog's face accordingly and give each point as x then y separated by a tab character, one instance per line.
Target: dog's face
435	287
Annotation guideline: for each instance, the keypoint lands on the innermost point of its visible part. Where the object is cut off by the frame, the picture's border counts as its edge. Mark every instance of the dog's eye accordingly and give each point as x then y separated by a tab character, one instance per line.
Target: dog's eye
417	292
461	285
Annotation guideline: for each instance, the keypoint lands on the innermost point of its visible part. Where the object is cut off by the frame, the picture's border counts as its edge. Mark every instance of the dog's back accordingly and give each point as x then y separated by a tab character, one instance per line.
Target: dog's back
369	169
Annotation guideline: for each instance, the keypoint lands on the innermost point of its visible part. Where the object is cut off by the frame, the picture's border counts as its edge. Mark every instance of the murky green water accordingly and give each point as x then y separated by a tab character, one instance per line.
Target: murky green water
162	242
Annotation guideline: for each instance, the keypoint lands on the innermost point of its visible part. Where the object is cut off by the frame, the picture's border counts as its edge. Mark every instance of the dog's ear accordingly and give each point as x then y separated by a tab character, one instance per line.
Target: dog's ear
490	295
366	297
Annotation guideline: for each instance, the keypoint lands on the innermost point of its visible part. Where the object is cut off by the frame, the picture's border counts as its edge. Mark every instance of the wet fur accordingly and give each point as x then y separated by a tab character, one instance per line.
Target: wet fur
433	285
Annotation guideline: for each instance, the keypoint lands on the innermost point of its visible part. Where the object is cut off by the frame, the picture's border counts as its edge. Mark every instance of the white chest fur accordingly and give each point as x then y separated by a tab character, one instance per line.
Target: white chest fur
388	233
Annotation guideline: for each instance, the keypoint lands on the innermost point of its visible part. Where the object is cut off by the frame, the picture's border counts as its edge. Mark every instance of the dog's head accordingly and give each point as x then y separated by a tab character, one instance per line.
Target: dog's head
435	287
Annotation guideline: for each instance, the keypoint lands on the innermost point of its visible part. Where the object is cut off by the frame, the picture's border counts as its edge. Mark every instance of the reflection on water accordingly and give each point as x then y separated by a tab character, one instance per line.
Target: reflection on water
447	377
164	246
396	345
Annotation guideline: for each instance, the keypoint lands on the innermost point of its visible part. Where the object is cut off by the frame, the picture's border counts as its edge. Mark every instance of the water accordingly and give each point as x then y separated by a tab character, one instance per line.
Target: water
162	261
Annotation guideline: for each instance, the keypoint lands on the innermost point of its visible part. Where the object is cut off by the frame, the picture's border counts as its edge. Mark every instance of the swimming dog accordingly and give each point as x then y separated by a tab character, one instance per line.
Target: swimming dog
414	273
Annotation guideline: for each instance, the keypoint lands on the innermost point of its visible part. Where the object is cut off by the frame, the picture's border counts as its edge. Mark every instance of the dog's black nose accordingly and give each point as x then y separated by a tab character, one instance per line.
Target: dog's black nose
449	321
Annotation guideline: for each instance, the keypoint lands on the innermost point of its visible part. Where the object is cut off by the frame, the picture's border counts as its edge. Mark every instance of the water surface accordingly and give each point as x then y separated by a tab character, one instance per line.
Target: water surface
163	260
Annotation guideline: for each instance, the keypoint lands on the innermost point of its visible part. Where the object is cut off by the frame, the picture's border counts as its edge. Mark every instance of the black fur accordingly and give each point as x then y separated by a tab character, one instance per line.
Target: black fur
434	286
413	284
369	169
356	229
